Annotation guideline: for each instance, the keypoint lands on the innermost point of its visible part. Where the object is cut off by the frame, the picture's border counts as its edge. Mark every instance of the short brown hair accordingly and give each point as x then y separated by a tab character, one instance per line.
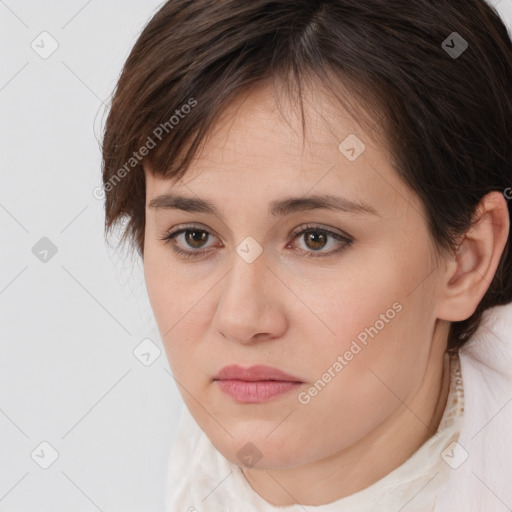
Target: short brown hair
437	74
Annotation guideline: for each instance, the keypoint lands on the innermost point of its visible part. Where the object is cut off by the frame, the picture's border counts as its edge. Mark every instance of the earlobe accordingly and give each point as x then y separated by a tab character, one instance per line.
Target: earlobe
471	268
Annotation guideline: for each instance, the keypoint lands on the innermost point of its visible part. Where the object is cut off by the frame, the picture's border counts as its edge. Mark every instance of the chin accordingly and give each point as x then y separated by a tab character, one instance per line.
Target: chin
259	451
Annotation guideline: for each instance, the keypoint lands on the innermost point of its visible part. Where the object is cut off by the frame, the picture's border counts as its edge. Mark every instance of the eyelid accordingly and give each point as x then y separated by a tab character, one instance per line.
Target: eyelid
340	236
344	239
312	226
169	236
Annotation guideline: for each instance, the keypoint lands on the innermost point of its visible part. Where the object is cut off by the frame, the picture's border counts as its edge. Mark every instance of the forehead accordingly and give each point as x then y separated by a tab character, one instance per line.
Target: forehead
256	149
265	117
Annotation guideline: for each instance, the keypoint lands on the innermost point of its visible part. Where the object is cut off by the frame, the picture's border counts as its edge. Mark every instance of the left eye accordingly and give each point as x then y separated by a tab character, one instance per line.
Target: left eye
316	239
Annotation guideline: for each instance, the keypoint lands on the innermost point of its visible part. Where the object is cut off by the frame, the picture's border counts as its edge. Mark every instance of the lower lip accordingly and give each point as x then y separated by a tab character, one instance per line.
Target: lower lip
256	392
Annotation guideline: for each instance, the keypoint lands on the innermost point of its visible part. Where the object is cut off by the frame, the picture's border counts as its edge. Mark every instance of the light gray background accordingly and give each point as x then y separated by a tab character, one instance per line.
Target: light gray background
69	325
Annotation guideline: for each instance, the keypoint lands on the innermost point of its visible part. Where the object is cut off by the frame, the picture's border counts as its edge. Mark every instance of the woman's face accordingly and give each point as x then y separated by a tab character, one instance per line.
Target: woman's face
348	308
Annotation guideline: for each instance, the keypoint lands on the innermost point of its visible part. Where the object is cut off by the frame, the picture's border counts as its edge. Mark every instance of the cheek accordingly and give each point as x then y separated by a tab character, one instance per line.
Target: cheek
355	305
156	276
169	291
179	305
165	293
378	319
355	386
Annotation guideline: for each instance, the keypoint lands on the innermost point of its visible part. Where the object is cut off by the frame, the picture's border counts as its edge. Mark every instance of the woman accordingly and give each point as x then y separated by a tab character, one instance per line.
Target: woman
332	283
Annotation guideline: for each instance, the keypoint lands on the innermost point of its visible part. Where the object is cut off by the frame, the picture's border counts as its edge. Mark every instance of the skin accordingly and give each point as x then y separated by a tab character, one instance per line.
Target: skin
300	313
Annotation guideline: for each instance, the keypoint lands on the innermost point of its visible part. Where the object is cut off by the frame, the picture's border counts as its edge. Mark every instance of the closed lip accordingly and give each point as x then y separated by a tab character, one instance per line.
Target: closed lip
254	374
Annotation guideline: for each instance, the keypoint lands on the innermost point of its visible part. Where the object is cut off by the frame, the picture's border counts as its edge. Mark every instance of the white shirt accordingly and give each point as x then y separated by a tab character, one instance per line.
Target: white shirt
466	466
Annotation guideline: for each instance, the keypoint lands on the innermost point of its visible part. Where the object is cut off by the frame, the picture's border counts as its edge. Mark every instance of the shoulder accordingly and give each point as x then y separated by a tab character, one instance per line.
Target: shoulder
490	348
481	481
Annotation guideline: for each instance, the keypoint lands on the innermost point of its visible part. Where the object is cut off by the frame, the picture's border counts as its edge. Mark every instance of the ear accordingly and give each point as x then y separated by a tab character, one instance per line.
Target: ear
470	270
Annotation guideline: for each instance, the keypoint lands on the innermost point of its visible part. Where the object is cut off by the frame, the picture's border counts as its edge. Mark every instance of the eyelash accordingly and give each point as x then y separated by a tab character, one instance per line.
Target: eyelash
168	238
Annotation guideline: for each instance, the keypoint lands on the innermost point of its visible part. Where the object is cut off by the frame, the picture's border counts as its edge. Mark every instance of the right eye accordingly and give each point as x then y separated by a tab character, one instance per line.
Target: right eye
192	236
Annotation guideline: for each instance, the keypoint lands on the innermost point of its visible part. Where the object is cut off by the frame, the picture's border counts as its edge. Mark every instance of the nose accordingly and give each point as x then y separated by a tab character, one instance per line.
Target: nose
250	307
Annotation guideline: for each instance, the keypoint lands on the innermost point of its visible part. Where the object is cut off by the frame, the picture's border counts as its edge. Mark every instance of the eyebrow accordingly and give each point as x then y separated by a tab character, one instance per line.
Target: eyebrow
277	208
